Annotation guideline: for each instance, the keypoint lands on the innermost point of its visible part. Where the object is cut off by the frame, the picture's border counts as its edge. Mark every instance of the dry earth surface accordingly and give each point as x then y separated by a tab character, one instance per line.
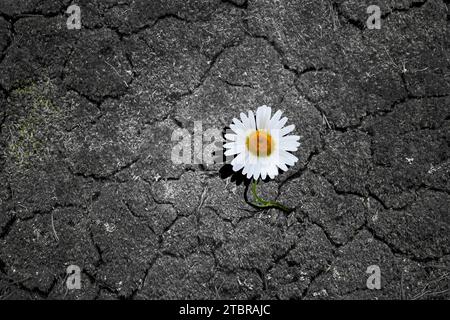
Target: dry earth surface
86	118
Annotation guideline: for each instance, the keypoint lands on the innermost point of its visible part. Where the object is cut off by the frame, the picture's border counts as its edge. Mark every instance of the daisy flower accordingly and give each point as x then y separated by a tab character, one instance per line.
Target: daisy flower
261	145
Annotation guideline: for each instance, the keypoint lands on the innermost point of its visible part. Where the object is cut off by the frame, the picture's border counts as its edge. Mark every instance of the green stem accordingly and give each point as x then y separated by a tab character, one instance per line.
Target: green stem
261	203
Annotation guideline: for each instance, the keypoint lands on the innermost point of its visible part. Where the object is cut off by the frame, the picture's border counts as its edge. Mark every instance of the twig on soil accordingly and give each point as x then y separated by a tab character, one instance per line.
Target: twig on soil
117	72
53	228
426	292
202	198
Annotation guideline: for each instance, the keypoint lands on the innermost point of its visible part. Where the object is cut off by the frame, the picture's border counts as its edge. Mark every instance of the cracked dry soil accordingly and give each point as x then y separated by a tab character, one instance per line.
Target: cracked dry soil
86	118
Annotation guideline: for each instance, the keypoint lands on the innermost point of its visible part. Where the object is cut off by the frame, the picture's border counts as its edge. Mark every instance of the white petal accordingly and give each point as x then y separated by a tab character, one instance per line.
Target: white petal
291	138
284	131
236	129
268	116
263	173
230	145
290	148
239	125
288	158
256	171
276	117
259	116
231	152
282	166
289	145
238	166
252	121
244	162
246	167
228	153
245	121
241	162
250	169
230	136
272	171
263	117
240	158
280	123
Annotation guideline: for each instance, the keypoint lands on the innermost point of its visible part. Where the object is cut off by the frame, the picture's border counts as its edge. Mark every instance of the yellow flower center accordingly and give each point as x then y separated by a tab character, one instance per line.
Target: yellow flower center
259	143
